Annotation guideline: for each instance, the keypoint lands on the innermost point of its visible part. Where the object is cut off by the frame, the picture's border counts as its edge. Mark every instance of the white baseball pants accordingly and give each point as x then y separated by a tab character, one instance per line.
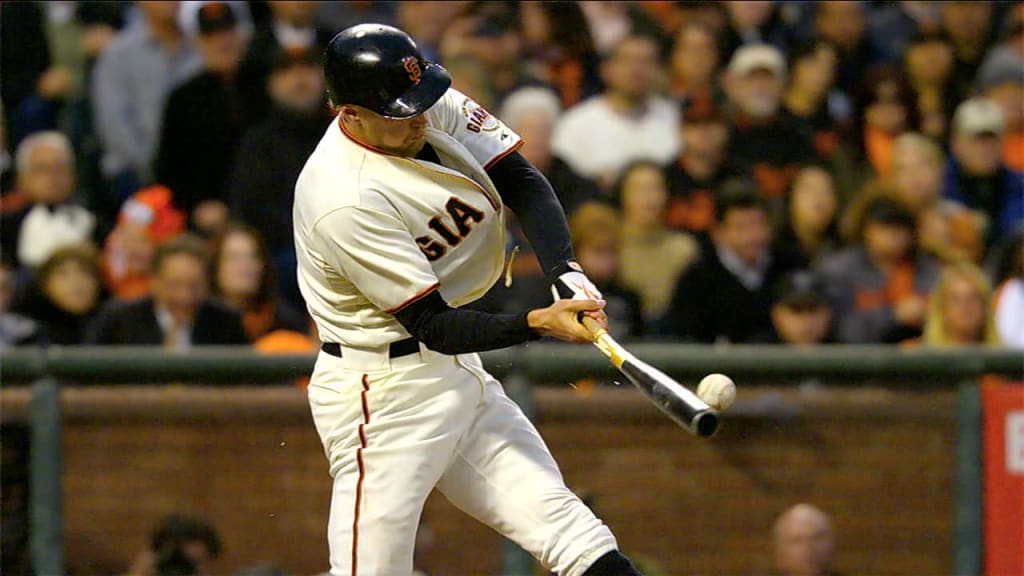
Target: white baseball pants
393	429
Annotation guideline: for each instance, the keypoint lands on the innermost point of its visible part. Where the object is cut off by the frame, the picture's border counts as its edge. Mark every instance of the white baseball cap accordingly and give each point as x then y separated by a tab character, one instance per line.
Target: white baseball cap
751	57
978	116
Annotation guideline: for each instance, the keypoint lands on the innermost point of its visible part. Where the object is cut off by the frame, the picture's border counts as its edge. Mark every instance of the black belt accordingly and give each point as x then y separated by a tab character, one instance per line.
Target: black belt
395	350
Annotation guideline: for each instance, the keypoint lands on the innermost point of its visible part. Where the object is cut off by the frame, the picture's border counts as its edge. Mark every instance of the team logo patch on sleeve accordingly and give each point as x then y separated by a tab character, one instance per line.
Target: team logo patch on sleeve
479	120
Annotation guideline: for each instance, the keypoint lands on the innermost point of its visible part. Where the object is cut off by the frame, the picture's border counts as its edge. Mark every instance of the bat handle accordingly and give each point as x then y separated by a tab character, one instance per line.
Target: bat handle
593	326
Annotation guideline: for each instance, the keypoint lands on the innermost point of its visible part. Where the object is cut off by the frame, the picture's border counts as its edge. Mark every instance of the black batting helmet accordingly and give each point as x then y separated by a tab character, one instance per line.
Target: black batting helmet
380	68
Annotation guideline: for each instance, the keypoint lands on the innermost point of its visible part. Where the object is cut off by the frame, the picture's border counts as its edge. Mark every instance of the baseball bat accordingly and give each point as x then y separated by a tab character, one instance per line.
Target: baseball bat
675	400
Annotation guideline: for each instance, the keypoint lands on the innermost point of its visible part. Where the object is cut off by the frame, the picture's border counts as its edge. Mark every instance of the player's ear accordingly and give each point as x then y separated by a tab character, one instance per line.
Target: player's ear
348	113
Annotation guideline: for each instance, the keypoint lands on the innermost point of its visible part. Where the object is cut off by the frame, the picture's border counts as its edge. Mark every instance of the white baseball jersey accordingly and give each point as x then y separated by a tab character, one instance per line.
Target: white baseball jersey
374	232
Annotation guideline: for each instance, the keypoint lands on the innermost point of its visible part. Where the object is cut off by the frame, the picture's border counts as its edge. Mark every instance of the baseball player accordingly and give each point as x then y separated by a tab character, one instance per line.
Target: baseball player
399	222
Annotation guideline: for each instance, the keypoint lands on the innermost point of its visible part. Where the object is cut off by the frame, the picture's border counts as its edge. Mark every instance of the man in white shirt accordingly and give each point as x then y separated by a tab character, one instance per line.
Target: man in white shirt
48	221
628	122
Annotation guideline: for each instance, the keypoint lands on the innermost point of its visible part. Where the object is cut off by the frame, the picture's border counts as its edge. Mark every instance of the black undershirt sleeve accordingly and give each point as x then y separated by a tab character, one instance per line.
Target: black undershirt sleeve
458	331
529	194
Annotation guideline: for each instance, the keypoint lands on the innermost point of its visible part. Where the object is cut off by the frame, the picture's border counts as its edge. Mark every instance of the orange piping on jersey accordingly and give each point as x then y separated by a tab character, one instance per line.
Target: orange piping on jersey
362	476
497	158
414	298
362	144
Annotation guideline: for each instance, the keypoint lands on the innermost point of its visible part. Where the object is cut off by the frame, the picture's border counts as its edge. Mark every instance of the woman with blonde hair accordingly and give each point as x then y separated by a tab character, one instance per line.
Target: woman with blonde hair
959	313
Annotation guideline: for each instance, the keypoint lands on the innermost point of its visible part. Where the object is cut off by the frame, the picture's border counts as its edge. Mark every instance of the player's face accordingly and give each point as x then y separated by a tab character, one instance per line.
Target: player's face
404	137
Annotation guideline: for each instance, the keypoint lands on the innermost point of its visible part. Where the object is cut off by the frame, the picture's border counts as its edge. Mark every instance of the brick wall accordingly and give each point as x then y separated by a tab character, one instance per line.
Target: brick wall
880	461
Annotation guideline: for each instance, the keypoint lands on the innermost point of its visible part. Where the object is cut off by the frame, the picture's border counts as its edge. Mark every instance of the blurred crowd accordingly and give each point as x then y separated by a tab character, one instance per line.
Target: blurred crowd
748	172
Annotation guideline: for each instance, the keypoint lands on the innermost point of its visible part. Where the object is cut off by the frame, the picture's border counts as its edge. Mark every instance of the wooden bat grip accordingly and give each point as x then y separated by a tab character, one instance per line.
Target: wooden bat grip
593	326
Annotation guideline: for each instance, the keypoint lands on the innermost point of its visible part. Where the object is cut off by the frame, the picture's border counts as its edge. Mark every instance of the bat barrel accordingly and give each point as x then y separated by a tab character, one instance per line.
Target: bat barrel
704	423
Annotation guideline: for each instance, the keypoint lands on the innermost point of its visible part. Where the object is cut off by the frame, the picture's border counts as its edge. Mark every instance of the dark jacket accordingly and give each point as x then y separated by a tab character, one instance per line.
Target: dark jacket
1000	197
134	322
56	325
201	129
255	68
571	188
771	153
710	303
268	162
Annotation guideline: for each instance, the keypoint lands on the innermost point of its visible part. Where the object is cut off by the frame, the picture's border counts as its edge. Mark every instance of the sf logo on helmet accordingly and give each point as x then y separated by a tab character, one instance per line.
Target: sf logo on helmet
412	66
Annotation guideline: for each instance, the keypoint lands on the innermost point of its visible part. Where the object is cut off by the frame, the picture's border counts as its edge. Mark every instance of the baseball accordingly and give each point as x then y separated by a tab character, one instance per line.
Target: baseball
717	390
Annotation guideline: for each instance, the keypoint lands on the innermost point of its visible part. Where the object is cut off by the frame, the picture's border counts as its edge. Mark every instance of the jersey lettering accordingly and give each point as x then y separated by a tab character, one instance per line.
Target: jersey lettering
463	213
431	248
450	237
464	216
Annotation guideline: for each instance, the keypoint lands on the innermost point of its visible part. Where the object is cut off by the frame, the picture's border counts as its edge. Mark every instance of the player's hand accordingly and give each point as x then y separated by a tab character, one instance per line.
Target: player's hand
560	319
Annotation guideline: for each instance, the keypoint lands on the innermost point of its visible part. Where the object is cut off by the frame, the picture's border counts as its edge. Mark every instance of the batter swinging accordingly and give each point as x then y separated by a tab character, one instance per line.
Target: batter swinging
398	222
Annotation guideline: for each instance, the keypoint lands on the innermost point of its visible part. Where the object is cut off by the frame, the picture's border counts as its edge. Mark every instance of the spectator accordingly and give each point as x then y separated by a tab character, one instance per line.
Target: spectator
180	545
65	295
651	256
801	314
976	175
427	22
614	21
693	67
811	97
928	65
599	137
178	314
753	22
43	219
726	294
885	107
271	155
595	231
146	220
531	112
804	542
132	79
968	25
944	228
809	228
46	57
879	285
557	40
843	24
484	36
243	278
15	329
959	311
1001	79
341	15
203	123
763	142
1008	302
892	25
701	167
291	30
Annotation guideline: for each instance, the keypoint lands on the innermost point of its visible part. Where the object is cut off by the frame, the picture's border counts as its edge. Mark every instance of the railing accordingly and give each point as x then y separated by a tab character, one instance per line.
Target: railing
46	369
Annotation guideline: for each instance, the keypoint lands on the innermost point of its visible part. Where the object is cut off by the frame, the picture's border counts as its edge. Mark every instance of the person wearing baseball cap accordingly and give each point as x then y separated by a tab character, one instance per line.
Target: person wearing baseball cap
763	141
1001	79
204	120
976	175
801	313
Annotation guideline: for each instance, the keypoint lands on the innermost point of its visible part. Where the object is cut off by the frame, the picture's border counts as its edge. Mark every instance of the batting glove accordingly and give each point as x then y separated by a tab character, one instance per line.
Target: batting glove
574	285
